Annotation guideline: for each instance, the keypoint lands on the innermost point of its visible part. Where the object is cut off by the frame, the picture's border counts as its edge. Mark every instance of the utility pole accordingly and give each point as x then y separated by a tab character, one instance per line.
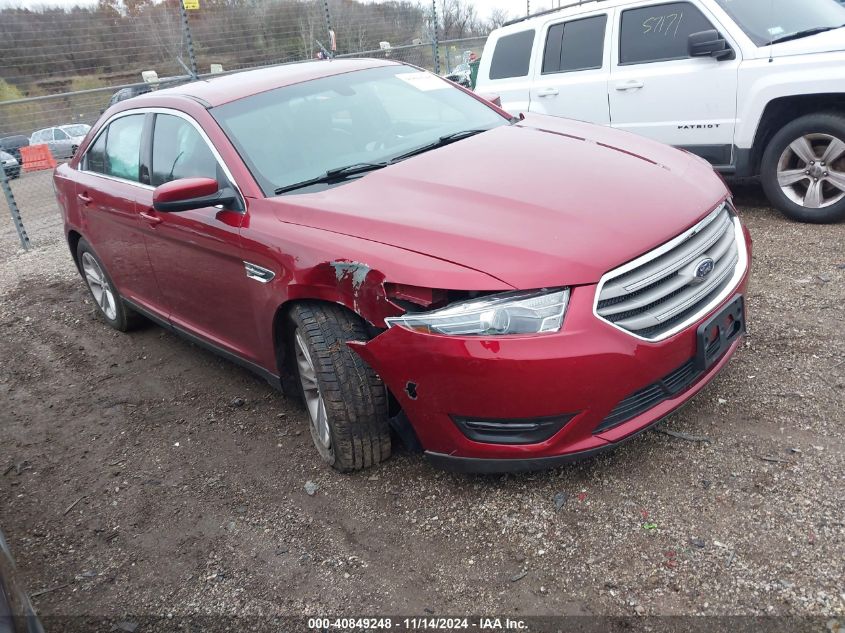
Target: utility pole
186	32
13	208
436	43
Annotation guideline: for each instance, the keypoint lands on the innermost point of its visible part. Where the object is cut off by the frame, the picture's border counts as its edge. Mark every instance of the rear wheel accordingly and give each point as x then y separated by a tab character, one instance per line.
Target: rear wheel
103	291
803	169
345	399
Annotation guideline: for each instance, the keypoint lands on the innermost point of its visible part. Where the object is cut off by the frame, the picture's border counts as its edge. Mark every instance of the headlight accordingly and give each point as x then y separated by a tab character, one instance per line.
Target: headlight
494	315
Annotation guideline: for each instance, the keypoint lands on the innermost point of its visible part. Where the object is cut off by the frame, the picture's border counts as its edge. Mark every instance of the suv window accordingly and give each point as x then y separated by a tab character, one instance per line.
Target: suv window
123	147
575	45
659	32
179	151
512	55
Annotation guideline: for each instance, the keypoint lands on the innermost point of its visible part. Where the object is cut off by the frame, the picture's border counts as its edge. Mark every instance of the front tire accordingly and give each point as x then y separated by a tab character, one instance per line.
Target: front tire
803	169
103	291
345	399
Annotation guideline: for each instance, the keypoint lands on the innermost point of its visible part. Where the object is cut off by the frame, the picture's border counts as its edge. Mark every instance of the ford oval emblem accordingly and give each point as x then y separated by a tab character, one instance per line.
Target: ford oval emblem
704	268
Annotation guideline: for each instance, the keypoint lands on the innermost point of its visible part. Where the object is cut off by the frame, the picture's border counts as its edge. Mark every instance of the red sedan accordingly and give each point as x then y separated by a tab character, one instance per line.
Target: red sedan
506	293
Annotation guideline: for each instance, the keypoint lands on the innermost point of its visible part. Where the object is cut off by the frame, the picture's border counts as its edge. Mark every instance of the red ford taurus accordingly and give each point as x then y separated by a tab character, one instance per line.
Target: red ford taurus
504	293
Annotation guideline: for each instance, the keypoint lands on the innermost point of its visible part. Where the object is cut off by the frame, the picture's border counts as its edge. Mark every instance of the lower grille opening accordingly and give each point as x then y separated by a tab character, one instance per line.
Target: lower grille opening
668	387
511	431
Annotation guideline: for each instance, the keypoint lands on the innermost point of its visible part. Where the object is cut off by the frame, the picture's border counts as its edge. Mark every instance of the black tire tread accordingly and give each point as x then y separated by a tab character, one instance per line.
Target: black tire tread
354	395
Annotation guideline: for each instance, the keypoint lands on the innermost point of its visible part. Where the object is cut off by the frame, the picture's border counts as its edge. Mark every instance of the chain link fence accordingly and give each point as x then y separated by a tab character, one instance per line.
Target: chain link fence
60	67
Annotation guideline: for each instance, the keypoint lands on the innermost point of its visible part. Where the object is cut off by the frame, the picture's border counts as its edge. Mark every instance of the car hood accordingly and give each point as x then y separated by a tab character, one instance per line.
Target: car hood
827	42
544	202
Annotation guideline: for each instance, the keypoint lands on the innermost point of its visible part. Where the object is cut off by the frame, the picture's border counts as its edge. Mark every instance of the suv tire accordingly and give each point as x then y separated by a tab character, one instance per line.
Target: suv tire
103	291
346	400
803	169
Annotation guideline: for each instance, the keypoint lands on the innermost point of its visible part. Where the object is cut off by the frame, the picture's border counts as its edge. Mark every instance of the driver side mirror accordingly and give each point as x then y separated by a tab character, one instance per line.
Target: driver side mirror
709	44
191	193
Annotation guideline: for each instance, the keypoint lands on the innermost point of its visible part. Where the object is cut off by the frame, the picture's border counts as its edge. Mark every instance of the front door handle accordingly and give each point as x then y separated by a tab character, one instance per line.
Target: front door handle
634	84
548	92
150	218
84	198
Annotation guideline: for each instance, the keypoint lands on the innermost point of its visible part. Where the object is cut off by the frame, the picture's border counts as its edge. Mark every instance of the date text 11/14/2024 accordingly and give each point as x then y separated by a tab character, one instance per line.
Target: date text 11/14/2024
417	624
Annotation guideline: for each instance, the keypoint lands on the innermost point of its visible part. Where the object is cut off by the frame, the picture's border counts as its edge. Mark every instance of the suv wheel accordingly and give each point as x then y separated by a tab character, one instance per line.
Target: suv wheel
345	399
803	170
103	290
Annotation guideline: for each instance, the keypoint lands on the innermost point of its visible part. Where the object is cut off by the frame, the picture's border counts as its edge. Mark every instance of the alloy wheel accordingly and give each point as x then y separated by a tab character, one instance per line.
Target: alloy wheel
311	390
811	171
100	287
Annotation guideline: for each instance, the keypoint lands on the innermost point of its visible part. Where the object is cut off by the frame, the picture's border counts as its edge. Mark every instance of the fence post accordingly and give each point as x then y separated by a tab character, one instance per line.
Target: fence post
331	34
436	43
13	209
186	32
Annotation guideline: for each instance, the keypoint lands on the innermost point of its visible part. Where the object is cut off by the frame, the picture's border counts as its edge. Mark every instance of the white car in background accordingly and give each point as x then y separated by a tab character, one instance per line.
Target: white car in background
63	140
756	87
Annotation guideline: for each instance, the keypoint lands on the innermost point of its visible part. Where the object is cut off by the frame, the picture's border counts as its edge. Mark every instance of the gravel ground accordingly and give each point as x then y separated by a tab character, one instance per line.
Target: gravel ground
142	475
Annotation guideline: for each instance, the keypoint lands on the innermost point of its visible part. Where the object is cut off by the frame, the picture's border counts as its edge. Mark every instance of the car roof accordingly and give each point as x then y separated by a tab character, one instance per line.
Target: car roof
215	91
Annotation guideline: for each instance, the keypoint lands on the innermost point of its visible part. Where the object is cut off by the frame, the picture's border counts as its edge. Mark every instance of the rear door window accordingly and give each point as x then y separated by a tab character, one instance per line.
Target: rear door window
575	45
123	147
512	56
659	32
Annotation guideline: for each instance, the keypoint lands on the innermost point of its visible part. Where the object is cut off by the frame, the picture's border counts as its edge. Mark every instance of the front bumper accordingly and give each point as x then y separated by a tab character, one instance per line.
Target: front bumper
583	371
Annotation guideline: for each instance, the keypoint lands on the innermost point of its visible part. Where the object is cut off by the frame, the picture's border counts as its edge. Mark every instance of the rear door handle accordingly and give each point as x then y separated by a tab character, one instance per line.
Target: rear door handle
634	84
149	217
84	198
548	92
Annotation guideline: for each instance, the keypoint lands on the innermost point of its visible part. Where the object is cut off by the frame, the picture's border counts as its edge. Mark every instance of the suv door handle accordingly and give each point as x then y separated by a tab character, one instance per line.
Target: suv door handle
548	92
84	198
149	217
634	84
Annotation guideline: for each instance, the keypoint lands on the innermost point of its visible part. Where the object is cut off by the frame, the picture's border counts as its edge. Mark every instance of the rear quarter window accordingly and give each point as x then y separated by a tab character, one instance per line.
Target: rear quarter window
512	55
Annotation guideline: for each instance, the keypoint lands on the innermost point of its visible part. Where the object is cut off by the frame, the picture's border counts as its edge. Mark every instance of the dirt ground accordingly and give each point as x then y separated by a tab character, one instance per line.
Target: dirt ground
140	475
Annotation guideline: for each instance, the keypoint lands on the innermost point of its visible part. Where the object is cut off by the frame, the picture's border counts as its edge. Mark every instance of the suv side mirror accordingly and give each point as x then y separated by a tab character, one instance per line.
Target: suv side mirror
709	44
191	193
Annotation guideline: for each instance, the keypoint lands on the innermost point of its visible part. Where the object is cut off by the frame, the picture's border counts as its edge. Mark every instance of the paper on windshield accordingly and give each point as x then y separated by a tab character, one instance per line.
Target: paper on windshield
423	81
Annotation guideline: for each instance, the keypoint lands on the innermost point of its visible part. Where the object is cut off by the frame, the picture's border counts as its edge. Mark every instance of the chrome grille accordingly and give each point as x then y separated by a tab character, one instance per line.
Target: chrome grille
665	290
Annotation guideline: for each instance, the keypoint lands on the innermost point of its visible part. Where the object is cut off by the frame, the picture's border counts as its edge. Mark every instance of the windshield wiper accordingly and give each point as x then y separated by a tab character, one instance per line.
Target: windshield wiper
332	175
443	140
805	33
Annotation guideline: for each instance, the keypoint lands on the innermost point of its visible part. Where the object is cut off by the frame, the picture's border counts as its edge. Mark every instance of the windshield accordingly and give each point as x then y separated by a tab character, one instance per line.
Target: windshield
297	133
778	20
77	130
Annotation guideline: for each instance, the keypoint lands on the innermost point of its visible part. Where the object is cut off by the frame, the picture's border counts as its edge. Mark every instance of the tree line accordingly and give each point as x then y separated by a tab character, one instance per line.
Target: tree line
50	50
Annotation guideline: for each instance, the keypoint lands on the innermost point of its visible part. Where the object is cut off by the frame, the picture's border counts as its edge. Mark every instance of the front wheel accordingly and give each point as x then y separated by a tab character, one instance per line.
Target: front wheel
345	399
803	169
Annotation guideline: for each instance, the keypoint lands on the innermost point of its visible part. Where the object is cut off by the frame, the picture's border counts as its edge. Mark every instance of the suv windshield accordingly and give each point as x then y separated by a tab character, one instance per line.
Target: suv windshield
300	133
776	21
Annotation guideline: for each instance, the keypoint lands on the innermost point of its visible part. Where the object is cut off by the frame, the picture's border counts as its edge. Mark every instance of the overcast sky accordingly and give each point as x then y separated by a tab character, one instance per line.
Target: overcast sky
484	7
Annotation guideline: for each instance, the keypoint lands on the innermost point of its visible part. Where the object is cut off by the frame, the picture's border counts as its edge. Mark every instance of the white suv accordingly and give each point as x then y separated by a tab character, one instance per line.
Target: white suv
757	87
